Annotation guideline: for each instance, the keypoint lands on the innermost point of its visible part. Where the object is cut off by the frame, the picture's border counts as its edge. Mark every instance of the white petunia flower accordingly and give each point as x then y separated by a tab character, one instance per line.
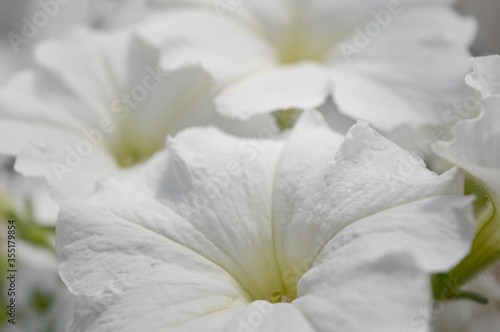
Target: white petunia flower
94	103
392	63
475	150
338	234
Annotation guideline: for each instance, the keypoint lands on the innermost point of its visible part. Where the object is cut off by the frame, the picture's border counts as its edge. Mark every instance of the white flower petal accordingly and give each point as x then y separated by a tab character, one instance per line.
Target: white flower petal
361	97
342	294
96	73
306	27
171	283
475	147
317	196
402	72
226	50
410	72
83	67
263	317
17	133
215	223
20	189
25	102
486	75
219	207
100	92
406	228
302	85
67	172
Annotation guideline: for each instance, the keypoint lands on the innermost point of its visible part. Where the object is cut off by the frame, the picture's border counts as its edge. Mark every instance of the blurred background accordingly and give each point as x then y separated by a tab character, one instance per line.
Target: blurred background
487	13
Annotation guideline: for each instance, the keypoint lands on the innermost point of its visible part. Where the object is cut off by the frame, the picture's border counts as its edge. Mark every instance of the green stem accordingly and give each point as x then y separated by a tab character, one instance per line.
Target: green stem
485	249
484	252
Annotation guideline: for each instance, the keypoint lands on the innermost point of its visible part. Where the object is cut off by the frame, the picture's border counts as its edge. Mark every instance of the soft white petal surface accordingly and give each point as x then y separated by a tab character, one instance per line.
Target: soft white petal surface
215	222
55	158
475	146
486	75
302	85
225	49
101	89
219	207
318	196
409	75
409	72
404	227
341	294
146	275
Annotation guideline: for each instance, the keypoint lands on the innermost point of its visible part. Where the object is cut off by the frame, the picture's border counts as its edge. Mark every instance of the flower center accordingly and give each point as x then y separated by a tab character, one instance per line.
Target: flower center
297	40
278	297
129	152
131	145
297	49
266	279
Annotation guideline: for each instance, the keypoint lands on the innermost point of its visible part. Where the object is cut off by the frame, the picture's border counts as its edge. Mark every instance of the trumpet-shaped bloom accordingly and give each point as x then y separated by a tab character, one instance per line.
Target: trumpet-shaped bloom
95	102
338	233
391	63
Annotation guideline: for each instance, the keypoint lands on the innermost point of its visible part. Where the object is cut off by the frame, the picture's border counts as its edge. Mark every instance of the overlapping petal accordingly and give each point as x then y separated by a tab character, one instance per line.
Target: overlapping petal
393	76
295	86
413	83
214	223
475	146
96	101
486	75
